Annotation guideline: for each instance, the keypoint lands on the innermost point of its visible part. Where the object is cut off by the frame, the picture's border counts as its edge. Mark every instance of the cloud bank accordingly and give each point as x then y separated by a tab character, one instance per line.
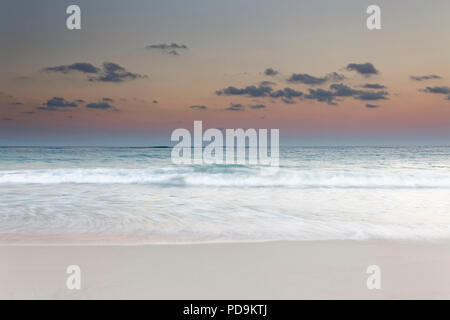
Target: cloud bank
108	72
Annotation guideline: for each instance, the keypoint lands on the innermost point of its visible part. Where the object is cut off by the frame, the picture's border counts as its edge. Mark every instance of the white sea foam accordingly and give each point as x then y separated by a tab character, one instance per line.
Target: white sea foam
226	177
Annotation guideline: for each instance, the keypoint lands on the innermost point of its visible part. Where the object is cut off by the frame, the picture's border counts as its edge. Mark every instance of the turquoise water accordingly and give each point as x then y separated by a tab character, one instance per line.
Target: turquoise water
136	195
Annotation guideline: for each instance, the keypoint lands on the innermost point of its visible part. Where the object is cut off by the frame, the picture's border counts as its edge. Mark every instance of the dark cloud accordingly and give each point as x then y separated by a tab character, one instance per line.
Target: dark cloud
109	72
270	72
286	93
313	81
100	106
171	48
257	106
321	96
7	119
251	91
235	107
198	107
342	90
372	96
373	86
372	106
155	101
17	103
366	69
80	101
263	90
331	96
82	67
424	78
107	99
112	72
57	103
438	90
306	79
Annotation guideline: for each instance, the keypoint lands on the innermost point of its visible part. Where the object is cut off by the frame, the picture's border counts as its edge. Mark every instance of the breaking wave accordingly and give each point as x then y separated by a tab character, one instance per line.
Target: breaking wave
227	176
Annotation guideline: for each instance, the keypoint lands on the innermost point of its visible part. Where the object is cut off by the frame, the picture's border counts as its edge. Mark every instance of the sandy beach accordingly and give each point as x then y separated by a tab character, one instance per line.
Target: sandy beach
267	270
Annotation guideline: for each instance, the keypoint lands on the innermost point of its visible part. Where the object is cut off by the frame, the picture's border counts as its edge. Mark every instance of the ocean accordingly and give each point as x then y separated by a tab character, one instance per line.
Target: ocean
136	195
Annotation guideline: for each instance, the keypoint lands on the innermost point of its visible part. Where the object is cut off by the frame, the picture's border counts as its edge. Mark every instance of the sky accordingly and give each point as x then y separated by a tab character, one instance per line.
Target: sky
139	69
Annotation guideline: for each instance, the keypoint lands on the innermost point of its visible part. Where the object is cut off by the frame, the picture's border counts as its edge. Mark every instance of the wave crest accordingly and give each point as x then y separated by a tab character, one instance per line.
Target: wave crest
224	176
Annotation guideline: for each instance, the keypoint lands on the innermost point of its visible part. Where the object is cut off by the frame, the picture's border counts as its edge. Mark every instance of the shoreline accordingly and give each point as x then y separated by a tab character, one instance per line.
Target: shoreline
335	269
96	243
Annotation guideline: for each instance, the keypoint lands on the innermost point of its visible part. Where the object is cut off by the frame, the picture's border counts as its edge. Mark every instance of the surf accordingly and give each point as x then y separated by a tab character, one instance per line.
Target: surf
225	176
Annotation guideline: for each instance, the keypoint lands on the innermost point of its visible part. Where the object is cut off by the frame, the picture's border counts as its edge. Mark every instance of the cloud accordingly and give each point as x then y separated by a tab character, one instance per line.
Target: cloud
235	107
109	72
108	99
82	67
372	106
263	90
57	103
286	93
251	91
17	103
342	90
366	69
373	86
306	79
198	107
321	96
270	72
155	101
112	72
365	95
60	103
7	119
100	106
257	106
171	48
424	78
312	80
438	90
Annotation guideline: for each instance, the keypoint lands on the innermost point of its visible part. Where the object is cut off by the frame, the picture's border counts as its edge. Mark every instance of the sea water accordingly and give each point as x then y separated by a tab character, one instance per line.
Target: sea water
137	195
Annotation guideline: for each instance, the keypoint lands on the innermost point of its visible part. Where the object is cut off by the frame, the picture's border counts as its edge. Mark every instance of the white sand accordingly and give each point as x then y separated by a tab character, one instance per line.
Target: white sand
272	270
